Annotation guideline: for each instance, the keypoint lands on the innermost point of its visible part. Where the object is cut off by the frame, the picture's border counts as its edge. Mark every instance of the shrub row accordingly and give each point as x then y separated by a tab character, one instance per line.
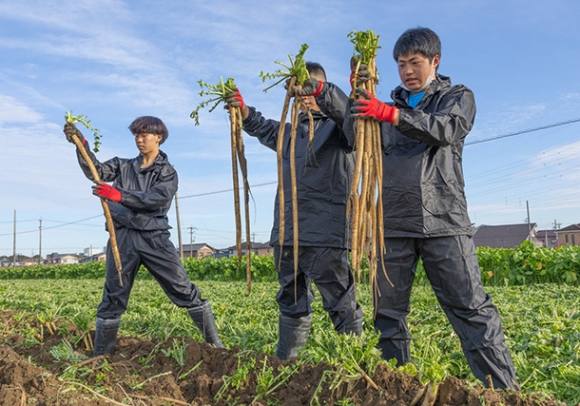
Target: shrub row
526	264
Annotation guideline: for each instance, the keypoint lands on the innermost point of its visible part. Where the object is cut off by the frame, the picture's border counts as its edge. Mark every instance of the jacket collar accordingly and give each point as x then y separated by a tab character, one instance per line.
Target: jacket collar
400	95
161	159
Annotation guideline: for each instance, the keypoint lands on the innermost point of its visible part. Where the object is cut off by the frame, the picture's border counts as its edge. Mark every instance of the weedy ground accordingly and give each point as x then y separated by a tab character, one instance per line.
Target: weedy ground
159	359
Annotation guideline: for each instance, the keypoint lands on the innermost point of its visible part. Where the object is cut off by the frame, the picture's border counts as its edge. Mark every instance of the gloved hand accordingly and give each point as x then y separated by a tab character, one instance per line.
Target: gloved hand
372	107
235	99
107	192
312	87
363	75
70	129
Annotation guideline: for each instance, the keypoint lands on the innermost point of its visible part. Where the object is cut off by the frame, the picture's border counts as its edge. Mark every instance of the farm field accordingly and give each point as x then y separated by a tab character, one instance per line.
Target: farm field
160	360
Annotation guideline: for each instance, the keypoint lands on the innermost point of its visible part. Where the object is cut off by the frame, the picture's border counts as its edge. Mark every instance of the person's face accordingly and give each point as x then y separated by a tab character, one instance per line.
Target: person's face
415	69
147	142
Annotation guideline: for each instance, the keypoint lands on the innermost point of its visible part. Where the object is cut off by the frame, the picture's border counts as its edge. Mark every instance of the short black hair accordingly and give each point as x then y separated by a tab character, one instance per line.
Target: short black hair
314	68
421	40
150	125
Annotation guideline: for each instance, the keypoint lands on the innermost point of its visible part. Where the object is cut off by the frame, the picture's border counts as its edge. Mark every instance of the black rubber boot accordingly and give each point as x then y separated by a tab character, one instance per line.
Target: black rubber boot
292	334
106	336
203	318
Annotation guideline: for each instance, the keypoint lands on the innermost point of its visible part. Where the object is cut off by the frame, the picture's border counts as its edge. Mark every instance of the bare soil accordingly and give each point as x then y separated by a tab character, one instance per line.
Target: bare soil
139	373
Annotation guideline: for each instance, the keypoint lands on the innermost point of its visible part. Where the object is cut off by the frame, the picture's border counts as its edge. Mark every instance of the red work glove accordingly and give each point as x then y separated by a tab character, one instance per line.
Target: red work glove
372	107
235	99
107	192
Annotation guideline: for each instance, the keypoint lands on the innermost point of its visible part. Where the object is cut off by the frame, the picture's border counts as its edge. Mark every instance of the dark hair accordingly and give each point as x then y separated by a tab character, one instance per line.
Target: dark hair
421	40
150	125
315	68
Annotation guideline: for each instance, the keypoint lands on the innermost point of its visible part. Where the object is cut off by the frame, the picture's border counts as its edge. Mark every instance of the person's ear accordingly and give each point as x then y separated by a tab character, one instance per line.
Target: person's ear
436	60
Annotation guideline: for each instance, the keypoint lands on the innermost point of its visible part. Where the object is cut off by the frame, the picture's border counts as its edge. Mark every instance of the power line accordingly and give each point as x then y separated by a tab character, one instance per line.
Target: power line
48	228
225	190
524	131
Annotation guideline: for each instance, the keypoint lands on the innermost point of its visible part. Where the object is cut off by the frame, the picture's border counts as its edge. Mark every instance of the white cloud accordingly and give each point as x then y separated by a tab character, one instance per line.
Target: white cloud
14	111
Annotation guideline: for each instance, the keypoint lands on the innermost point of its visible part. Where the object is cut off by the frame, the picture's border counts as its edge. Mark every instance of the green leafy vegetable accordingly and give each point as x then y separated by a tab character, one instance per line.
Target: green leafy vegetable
81	118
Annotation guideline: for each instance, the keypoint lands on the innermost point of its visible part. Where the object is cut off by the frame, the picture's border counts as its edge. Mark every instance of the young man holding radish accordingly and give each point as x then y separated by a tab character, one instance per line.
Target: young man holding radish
324	168
139	198
425	209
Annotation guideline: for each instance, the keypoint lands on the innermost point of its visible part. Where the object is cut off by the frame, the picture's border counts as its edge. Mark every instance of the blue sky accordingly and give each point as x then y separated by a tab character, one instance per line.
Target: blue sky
115	60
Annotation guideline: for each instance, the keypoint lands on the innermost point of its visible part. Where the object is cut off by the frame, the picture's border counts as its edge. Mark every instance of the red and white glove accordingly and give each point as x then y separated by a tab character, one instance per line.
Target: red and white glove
371	107
107	192
235	99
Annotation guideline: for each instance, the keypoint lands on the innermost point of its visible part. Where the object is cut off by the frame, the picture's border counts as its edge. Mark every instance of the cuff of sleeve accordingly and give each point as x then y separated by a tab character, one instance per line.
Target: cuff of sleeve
251	115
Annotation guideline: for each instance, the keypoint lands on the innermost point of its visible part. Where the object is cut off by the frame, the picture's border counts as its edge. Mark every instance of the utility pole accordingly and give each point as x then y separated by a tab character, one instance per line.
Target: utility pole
556	228
529	222
14	242
191	228
40	242
178	227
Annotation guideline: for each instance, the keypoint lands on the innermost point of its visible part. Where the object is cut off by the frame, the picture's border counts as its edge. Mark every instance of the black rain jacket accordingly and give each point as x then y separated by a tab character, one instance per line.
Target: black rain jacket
146	192
423	185
323	171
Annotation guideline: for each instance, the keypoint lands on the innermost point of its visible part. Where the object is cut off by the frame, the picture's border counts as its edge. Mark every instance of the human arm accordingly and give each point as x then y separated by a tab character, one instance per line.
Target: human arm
266	130
450	123
159	192
107	171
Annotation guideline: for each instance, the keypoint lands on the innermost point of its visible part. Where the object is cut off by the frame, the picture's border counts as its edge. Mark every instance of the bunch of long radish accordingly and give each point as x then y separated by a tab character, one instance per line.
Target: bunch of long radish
97	179
365	203
218	94
294	75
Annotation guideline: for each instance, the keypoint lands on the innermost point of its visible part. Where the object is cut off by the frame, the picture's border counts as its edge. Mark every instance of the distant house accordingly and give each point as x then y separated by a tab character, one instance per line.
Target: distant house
258	248
201	250
547	238
505	236
569	235
100	257
29	262
61	259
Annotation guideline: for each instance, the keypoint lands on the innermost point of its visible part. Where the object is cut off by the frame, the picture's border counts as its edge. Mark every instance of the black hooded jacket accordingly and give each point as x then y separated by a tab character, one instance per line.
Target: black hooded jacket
146	192
423	185
323	171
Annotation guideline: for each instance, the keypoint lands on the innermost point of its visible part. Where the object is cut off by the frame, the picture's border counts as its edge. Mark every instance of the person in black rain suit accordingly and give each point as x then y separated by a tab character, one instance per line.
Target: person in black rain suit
324	173
425	209
139	198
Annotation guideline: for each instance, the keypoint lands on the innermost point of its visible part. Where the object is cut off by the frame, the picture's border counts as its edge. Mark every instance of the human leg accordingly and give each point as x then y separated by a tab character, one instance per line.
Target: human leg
330	271
452	268
392	301
160	258
115	296
294	303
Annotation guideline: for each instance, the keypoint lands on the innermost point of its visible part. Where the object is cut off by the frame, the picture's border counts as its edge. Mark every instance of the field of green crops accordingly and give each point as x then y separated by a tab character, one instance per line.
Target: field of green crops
541	322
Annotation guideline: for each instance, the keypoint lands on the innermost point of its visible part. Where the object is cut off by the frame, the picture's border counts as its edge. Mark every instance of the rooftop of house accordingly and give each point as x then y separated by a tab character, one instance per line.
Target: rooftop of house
502	236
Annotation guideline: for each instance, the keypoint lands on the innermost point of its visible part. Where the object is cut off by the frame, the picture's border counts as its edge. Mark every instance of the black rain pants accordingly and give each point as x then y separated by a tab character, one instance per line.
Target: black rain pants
330	271
156	252
451	266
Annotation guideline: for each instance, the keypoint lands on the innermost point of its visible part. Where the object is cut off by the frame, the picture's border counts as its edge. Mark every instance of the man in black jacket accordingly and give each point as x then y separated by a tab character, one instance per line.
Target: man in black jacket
425	209
141	195
324	172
